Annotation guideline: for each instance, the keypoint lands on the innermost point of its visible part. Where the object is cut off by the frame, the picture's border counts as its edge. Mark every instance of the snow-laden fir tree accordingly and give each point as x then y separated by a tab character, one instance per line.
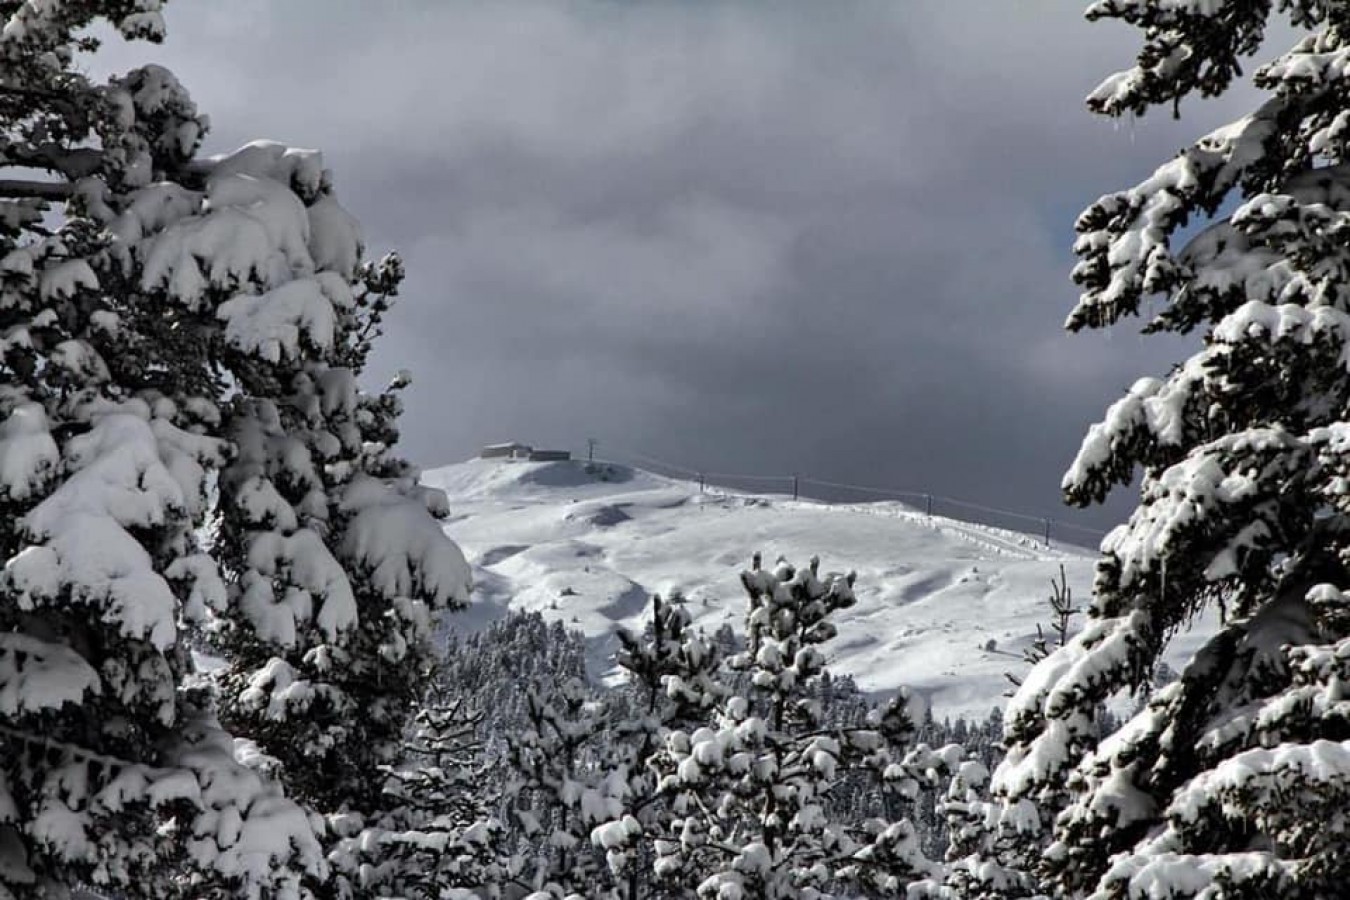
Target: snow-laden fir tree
335	558
487	669
567	777
994	846
551	761
581	796
570	760
973	851
113	770
179	343
675	681
336	561
434	842
1233	781
747	790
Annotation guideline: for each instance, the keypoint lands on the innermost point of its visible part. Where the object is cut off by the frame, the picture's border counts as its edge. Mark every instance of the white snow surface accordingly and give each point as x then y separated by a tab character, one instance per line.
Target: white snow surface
590	549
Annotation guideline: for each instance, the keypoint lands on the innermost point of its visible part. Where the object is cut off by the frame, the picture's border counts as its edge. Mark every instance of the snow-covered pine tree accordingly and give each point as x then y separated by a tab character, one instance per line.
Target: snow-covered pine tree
748	789
113	769
336	562
569	760
435	841
489	669
546	744
995	845
180	339
672	671
549	740
673	683
568	778
1233	781
972	853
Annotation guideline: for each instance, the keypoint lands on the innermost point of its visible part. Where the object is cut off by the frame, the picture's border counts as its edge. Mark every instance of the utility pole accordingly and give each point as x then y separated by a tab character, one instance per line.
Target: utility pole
590	449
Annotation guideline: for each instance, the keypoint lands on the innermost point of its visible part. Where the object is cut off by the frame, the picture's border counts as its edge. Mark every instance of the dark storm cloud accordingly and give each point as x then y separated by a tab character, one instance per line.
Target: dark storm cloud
829	238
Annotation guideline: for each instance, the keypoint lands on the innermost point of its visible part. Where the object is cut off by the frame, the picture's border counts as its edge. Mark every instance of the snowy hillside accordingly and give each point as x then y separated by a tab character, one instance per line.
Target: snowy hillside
590	547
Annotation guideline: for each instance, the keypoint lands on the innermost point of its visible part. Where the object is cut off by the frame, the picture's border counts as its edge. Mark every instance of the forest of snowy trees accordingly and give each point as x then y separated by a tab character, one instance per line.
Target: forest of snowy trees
228	659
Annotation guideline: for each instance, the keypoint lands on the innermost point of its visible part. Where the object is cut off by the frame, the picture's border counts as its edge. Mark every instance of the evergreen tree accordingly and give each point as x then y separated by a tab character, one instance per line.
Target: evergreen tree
114	770
569	761
748	789
435	841
1232	780
973	851
491	671
180	340
674	682
337	562
568	779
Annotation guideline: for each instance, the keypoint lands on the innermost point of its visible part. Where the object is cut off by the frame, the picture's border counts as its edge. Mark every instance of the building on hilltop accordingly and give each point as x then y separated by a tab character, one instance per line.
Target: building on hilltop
509	450
517	450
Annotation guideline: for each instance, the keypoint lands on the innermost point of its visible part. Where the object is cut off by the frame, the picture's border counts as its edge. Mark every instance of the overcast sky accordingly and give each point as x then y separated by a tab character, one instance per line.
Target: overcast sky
826	237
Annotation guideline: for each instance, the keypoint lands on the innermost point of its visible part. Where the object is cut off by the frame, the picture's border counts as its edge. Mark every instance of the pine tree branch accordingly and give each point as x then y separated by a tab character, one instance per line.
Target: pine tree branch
76	163
66	747
19	189
57	100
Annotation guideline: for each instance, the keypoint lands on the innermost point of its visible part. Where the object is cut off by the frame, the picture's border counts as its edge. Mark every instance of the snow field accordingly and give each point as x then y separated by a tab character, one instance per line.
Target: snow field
944	607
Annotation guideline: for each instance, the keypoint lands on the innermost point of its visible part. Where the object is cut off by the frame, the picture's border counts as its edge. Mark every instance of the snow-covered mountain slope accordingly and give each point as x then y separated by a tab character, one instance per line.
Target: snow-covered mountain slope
945	607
